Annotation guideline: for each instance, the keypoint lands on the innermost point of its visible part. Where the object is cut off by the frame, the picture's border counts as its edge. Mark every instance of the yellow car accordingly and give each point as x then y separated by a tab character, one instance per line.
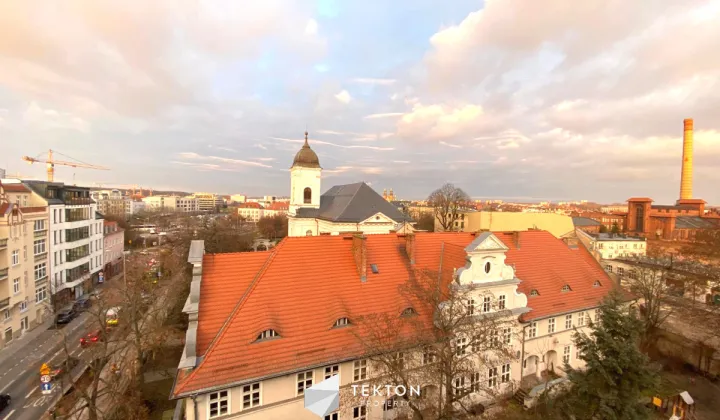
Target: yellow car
112	316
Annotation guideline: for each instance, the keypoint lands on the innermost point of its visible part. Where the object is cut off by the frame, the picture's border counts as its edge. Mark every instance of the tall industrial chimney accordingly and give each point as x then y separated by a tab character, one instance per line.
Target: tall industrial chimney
686	176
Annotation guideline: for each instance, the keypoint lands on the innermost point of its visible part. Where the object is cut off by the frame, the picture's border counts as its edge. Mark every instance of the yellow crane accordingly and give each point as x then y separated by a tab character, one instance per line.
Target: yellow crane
52	162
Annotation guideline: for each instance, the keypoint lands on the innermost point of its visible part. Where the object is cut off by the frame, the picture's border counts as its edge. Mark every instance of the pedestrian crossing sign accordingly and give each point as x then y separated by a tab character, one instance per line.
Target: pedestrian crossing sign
44	369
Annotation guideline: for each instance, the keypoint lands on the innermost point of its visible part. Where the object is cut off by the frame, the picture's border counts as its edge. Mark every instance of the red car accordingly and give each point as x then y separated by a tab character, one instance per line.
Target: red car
91	338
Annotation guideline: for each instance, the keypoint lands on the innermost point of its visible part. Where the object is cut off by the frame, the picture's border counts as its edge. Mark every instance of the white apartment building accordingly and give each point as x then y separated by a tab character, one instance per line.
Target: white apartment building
171	203
255	360
133	206
24	293
608	246
208	201
75	239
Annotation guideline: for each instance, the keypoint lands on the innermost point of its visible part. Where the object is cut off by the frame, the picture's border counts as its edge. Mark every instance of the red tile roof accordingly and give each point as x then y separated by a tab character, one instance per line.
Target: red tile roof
15	188
251	205
279	206
301	286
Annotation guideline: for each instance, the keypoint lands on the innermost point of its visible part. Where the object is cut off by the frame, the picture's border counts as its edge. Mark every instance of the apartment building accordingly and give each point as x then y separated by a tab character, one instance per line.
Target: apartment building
23	260
608	246
171	203
208	201
75	239
253	212
114	245
110	202
133	205
295	329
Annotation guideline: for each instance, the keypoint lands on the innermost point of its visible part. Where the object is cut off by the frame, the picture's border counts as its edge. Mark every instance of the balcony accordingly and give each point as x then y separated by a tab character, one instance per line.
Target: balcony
78	201
41	256
4	303
41	280
40	233
4	273
75	257
3	243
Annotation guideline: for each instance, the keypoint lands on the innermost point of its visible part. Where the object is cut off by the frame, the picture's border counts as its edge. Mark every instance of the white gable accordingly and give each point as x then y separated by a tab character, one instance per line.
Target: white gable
378	218
486	241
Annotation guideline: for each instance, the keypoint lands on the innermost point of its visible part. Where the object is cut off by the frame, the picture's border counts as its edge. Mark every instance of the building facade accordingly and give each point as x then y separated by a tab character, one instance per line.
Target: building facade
23	261
608	246
114	245
496	221
75	239
208	202
171	204
110	202
254	361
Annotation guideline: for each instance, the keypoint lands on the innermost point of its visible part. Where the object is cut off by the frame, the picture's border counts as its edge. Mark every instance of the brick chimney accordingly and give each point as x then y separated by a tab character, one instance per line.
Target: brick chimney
686	173
516	239
359	249
410	247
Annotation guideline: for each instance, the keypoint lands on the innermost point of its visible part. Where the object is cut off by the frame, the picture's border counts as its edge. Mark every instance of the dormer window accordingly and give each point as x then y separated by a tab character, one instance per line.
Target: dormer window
341	322
565	288
534	292
597	283
267	334
408	312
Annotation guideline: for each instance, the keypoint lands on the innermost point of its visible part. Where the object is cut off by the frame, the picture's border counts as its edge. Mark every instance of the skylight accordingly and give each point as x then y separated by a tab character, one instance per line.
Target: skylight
267	334
374	268
341	322
534	292
566	288
408	312
597	283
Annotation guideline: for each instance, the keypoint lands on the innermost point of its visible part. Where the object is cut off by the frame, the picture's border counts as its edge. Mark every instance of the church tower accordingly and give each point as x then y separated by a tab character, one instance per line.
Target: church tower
305	179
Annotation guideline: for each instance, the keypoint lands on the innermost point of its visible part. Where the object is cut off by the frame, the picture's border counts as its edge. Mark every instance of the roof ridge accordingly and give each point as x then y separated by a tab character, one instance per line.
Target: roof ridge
233	314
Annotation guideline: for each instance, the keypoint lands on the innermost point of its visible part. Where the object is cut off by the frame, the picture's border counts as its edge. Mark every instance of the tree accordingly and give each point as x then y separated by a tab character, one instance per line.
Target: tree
220	235
603	229
447	201
615	229
647	280
273	227
443	344
426	221
616	374
705	246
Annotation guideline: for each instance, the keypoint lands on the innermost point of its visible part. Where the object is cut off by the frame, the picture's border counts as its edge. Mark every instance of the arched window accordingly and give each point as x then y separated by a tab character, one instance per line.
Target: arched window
408	312
341	322
308	233
307	195
267	334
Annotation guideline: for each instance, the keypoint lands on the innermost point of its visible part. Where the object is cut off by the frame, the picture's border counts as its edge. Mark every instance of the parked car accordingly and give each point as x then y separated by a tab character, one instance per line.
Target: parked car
112	316
65	316
4	402
91	338
82	304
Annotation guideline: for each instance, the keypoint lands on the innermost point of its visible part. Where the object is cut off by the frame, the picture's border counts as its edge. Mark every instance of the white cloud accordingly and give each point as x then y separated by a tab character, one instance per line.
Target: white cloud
383	115
455	146
237	162
343	96
439	120
372	81
311	28
327	143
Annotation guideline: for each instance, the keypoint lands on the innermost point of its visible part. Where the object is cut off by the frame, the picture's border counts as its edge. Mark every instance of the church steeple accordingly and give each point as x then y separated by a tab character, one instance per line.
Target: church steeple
306	157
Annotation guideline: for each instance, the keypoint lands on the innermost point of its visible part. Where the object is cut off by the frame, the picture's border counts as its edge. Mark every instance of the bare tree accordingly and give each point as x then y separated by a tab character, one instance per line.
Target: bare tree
445	341
273	227
648	281
705	246
447	201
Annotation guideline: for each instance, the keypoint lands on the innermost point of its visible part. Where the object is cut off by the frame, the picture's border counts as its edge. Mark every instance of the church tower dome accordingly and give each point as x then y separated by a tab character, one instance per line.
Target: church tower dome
305	180
306	157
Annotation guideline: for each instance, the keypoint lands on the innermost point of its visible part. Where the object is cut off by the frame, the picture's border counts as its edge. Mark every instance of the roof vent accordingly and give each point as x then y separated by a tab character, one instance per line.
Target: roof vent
374	268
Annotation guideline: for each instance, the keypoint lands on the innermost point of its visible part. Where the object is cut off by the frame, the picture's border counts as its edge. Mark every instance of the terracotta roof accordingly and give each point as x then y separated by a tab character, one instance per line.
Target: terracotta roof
250	205
279	206
639	199
15	188
302	284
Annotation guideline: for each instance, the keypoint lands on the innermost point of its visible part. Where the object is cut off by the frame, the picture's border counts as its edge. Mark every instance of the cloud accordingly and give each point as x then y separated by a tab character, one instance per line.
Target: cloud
327	143
311	28
343	96
383	115
439	121
237	162
456	146
376	82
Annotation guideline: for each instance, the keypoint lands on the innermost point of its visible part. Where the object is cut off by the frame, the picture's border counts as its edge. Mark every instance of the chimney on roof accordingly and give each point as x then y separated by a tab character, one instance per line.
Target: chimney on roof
410	247
359	249
516	239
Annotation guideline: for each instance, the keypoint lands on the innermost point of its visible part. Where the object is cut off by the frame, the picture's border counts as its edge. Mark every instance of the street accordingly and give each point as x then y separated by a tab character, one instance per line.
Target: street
20	377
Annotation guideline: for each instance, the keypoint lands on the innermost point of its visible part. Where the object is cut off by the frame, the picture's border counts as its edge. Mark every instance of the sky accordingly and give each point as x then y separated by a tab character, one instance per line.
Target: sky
513	99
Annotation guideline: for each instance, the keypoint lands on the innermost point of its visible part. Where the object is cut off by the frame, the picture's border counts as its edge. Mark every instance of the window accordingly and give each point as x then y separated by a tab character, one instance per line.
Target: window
532	331
597	315
551	325
460	346
16	285
505	373
6	314
566	354
565	288
308	233
488	266
304	381
507	336
534	292
251	395
307	196
428	356
40	271
633	274
24	305
408	312
267	334
494	340
471	307
475	382
219	404
342	322
360	370
38	225
399	359
332	416
8	335
581	319
492	377
331	371
598	284
568	321
620	271
608	268
24	253
501	302
487	303
459	385
15	257
360	412
40	294
39	246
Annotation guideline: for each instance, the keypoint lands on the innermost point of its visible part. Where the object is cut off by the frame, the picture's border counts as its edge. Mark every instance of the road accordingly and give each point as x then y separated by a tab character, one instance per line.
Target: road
21	376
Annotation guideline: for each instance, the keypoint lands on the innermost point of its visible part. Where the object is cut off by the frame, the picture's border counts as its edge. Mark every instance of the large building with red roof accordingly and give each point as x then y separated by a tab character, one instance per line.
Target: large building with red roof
266	325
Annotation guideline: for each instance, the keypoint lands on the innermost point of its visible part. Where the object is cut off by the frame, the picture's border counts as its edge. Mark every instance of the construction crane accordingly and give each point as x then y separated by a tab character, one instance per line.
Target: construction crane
52	162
